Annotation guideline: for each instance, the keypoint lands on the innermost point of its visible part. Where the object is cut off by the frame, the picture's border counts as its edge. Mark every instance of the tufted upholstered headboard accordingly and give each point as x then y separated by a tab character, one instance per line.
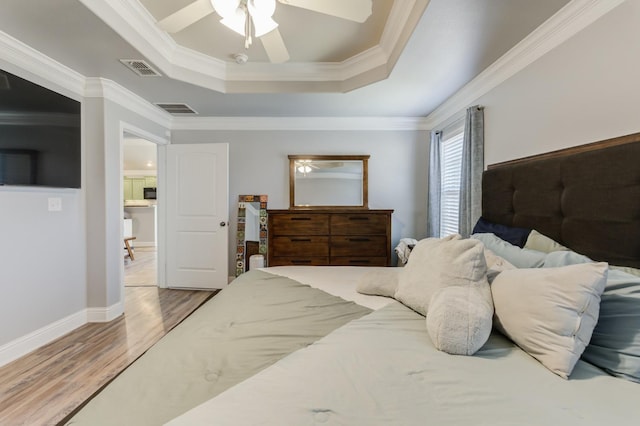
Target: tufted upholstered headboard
586	197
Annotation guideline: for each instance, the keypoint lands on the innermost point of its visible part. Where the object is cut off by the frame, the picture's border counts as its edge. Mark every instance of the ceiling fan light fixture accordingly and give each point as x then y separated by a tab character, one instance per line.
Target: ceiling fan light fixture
236	22
225	8
263	25
261	8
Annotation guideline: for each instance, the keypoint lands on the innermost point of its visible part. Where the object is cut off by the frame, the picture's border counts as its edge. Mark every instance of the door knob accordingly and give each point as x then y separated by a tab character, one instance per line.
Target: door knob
223	223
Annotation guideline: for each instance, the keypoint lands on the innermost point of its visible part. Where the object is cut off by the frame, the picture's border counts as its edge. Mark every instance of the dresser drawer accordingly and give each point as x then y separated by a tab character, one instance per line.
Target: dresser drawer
359	261
299	260
359	224
360	246
303	245
299	224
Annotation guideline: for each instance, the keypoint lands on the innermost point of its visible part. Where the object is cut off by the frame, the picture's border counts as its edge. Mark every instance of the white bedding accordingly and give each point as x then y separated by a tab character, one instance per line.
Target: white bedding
339	281
382	369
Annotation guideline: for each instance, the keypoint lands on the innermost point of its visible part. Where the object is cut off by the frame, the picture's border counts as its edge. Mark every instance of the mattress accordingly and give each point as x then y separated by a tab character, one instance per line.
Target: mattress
249	325
299	345
382	369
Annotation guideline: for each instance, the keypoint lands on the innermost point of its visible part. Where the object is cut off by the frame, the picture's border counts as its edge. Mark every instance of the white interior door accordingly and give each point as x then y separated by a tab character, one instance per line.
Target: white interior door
197	208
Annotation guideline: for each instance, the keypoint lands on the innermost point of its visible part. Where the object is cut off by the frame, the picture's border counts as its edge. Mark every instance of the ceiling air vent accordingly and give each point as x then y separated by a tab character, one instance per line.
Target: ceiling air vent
140	67
177	109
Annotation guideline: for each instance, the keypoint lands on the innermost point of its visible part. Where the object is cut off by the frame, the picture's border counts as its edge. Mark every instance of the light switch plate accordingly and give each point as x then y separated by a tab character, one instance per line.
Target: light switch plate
55	204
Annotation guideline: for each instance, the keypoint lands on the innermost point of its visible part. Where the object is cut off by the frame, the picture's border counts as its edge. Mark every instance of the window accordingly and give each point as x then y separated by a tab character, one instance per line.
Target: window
450	171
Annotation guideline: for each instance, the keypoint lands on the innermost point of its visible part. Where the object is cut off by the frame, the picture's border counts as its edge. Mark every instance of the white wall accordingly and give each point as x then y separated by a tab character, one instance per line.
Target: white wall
258	164
104	197
56	266
585	90
42	259
42	255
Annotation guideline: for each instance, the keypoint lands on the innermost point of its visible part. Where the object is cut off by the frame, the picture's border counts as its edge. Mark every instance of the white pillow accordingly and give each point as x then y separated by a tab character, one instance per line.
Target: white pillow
540	242
459	320
550	312
437	263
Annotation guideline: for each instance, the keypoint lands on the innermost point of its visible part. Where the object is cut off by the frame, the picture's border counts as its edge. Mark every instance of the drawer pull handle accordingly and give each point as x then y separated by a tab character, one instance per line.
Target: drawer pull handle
300	218
359	218
358	261
294	240
299	262
359	240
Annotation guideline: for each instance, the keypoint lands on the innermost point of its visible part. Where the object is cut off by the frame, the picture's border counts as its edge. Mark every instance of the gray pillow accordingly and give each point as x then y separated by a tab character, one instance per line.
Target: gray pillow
518	257
615	343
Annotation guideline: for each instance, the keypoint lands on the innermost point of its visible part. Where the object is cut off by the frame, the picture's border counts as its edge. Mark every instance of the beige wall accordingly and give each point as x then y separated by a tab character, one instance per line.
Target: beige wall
585	90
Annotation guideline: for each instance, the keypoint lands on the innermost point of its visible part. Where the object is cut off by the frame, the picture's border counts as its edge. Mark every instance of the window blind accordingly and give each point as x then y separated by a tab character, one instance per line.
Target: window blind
450	169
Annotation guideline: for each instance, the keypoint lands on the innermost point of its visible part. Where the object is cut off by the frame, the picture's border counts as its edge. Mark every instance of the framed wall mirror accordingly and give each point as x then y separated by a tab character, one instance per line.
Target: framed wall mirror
329	181
251	230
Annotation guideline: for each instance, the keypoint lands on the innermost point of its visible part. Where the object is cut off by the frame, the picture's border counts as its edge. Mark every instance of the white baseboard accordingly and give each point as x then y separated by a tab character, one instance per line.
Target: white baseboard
105	314
32	341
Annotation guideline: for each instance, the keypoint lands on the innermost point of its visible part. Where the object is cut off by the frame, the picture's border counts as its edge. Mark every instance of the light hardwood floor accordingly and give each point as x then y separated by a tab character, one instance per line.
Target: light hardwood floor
143	271
47	385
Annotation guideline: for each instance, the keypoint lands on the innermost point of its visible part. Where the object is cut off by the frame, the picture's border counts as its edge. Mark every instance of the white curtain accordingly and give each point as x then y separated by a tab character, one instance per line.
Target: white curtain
472	167
433	208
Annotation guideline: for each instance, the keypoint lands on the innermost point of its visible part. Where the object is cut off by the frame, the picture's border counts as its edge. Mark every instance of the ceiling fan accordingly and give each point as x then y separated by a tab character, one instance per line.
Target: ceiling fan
254	17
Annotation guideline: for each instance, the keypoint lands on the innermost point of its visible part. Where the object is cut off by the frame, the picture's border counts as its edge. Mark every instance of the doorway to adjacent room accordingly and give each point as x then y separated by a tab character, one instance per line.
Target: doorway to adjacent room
140	227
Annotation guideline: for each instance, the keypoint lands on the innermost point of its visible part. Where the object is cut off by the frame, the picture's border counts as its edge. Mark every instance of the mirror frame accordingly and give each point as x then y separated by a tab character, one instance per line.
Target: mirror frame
241	260
292	179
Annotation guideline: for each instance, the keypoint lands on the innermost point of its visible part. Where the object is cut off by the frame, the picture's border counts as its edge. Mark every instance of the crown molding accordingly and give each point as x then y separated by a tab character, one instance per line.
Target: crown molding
21	58
133	23
136	25
108	89
567	22
300	123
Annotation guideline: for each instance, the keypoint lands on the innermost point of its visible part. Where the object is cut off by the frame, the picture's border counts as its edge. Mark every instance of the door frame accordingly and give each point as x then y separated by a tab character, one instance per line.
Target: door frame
161	143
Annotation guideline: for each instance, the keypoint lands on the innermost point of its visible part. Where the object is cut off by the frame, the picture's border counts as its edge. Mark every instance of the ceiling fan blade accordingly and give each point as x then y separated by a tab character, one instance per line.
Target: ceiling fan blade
275	47
352	10
186	16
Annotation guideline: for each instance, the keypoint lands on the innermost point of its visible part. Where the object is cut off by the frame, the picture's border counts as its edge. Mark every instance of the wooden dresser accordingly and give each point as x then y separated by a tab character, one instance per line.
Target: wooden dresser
329	237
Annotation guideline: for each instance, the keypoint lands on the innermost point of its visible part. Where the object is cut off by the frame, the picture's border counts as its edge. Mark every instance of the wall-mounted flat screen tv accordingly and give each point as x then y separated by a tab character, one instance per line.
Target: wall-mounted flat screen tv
39	135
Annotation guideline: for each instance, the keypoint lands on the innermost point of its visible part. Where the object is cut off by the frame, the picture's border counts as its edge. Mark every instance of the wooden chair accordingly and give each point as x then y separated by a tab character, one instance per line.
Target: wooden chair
127	245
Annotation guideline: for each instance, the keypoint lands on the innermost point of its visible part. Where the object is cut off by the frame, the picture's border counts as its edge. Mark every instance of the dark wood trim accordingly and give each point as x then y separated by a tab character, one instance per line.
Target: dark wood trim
621	140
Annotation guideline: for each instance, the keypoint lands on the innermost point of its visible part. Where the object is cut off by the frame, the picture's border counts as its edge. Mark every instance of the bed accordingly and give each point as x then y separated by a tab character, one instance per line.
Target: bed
304	345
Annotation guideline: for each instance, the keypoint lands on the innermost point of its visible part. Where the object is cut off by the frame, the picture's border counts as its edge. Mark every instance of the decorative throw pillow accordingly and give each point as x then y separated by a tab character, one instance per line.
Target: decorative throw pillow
436	263
511	234
381	282
518	257
550	312
540	242
459	320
